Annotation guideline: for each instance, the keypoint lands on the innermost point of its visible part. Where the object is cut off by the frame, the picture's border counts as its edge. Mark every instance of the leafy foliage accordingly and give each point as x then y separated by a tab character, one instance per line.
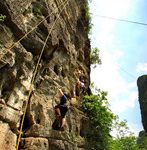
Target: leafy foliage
125	143
121	128
102	121
100	116
37	10
2	17
94	57
88	18
142	140
125	139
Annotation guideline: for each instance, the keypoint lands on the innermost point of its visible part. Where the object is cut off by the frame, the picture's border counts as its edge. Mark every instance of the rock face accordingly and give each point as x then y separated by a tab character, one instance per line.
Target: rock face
51	35
142	89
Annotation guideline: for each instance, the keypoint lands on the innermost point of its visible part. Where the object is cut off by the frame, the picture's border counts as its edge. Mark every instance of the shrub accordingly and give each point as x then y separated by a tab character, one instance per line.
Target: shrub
88	18
94	57
2	17
125	139
100	116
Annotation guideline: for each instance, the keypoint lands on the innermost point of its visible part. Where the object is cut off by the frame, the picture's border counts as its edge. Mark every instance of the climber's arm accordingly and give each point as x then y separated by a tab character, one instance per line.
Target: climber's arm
61	93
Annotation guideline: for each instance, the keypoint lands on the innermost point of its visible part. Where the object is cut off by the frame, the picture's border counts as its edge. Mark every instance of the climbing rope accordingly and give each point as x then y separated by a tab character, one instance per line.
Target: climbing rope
36	68
33	29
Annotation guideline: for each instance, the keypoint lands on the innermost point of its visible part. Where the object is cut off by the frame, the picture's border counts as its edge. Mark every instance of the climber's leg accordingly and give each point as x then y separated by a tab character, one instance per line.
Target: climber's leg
62	119
57	111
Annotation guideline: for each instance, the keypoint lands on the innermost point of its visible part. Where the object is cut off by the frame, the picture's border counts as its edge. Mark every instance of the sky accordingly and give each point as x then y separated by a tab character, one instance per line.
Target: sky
123	53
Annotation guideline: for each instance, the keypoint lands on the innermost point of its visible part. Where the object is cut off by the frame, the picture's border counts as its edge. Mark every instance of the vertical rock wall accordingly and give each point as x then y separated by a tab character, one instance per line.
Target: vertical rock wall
142	89
22	37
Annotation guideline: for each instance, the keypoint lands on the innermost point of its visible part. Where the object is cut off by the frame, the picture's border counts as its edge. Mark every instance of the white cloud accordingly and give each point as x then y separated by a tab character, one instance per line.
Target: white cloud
104	29
121	94
107	76
112	7
119	104
141	68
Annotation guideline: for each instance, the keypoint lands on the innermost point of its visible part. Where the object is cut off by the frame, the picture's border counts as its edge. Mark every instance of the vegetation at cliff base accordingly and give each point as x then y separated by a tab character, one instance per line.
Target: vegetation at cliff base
124	139
100	116
102	122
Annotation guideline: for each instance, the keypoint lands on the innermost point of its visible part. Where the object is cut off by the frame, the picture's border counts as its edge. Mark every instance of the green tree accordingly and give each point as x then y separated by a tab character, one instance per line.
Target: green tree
88	18
101	117
94	57
125	139
103	122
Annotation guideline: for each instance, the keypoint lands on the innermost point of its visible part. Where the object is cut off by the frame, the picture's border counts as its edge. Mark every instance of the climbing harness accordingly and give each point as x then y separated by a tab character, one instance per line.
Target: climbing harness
64	4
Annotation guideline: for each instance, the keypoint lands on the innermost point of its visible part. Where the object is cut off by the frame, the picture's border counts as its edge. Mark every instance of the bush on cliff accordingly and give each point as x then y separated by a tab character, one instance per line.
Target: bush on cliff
2	17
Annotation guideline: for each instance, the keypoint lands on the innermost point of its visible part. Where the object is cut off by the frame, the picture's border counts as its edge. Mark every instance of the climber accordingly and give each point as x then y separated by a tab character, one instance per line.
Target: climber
83	88
80	87
61	109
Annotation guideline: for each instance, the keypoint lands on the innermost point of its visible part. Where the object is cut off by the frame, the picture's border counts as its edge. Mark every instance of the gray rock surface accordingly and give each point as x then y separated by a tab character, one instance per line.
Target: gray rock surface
22	36
142	89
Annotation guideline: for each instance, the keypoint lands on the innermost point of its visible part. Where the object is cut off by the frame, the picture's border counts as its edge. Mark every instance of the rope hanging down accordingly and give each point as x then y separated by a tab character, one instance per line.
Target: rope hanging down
35	71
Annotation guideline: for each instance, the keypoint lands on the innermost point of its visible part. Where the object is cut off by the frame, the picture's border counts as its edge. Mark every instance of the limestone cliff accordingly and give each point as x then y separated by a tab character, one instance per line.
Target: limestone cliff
142	89
52	35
